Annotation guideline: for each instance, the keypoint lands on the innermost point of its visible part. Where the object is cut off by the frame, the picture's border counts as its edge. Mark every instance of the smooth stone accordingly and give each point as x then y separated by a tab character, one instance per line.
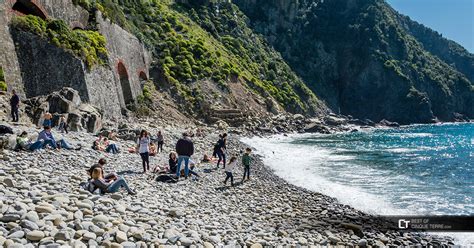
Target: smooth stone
9	182
362	243
62	235
43	209
256	245
120	236
16	235
334	239
185	241
208	245
83	205
29	225
128	245
32	216
35	235
100	219
89	236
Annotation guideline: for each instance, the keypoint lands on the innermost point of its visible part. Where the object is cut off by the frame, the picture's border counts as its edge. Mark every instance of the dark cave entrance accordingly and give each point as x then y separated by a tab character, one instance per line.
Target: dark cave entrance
25	7
125	83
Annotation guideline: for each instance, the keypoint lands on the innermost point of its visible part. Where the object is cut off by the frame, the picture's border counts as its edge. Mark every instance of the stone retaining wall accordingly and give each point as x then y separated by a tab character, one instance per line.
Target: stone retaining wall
34	67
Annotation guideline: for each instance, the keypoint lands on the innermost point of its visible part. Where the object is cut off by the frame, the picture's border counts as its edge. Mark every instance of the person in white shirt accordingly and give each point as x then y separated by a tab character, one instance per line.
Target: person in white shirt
143	147
229	169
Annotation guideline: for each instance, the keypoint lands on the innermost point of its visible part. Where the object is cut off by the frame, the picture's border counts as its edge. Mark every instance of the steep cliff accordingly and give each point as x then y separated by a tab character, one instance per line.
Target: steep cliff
188	55
365	59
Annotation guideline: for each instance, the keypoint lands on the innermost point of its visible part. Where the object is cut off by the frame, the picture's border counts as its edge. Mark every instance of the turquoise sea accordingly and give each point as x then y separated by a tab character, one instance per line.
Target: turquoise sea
419	169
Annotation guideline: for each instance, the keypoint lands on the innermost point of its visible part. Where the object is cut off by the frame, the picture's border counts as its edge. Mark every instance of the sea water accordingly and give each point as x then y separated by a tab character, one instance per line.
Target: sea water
420	169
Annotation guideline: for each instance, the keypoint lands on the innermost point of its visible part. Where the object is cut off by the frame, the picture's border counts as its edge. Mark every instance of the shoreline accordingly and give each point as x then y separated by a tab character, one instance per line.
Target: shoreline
357	221
265	211
452	236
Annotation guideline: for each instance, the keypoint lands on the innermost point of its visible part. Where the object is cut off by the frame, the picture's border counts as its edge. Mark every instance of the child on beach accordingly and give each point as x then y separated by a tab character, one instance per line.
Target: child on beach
228	170
246	161
63	124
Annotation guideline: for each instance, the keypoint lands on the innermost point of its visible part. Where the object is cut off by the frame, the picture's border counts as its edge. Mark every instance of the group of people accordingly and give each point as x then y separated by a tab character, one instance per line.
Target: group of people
105	183
105	145
180	163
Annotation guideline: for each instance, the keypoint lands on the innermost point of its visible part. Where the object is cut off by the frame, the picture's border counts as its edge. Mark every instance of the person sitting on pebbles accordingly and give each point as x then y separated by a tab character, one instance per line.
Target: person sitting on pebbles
109	186
105	145
207	159
153	150
102	162
24	143
113	135
46	136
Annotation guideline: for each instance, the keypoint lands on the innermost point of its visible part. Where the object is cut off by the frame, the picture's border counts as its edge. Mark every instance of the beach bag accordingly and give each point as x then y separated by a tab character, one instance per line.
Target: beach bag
166	178
87	186
5	129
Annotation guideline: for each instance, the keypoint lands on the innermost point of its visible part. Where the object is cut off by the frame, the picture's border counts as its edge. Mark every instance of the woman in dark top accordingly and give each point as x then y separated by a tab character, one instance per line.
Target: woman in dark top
160	141
111	186
221	149
173	162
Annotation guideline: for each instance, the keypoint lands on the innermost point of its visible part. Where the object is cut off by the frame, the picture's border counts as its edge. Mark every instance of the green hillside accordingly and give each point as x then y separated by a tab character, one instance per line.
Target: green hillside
366	60
187	50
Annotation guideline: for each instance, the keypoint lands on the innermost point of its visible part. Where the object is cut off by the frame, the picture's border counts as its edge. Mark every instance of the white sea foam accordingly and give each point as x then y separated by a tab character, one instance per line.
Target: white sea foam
300	165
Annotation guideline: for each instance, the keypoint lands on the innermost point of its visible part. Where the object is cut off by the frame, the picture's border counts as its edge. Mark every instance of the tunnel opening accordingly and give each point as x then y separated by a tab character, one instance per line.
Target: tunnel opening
125	83
24	7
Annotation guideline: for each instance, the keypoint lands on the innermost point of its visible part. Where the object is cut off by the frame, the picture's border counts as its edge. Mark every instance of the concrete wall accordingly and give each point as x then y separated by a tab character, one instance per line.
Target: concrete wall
59	9
8	57
102	90
34	67
46	68
124	48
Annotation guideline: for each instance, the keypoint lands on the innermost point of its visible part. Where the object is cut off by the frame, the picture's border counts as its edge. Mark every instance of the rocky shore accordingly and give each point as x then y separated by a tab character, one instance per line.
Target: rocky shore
43	205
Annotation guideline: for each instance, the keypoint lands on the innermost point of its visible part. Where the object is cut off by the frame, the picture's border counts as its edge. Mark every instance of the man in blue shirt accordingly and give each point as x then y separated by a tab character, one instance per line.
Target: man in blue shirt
48	139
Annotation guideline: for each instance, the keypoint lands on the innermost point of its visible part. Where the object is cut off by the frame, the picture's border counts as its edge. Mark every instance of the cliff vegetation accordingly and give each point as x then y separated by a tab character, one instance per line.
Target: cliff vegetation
187	52
88	45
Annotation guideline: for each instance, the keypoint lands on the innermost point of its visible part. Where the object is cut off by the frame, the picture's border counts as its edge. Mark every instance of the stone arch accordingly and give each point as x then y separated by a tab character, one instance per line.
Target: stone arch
142	76
125	83
29	7
77	25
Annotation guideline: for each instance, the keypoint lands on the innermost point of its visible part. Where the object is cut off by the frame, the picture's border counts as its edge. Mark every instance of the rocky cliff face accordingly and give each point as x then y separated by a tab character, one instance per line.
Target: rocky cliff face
366	60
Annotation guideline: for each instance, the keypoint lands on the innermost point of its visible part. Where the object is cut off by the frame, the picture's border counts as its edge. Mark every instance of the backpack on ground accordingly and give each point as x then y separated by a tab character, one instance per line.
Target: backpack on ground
5	129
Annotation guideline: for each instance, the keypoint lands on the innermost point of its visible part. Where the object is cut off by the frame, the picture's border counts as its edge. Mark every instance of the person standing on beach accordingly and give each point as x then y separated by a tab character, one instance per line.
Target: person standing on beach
216	147
143	147
160	141
15	105
229	169
47	122
185	149
63	124
222	147
246	161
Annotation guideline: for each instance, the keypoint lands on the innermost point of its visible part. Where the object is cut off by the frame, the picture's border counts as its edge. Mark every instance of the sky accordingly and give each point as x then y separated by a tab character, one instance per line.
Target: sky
454	19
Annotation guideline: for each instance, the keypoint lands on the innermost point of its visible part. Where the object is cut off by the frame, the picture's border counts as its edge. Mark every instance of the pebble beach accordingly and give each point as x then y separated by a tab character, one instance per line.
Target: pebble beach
42	205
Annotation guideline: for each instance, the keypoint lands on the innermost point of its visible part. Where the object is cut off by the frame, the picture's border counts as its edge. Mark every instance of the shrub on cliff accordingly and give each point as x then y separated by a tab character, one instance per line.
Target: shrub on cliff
86	44
186	52
3	85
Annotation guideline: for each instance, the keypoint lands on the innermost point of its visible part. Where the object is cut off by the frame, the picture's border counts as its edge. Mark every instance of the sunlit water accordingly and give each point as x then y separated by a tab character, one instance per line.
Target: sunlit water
422	169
